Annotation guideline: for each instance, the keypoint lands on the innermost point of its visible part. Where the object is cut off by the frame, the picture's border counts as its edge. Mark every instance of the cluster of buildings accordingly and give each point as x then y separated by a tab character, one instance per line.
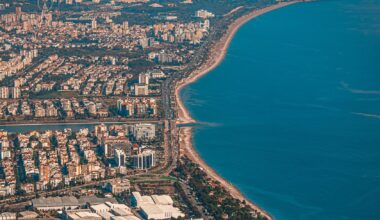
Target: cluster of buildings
165	57
155	206
83	108
181	32
131	107
122	151
33	80
44	31
98	80
204	14
84	208
8	178
56	158
106	76
53	75
51	159
73	108
10	92
17	61
36	75
88	64
96	208
53	109
25	215
106	34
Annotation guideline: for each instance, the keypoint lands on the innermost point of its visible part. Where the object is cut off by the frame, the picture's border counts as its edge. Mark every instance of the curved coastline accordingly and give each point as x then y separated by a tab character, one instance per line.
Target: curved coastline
215	57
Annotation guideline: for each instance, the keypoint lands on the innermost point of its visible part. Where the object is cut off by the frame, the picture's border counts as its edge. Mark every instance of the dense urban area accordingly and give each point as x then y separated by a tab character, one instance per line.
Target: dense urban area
112	65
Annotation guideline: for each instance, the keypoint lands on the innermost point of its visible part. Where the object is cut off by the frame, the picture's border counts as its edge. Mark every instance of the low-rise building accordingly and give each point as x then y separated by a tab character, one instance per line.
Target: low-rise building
119	186
55	203
81	214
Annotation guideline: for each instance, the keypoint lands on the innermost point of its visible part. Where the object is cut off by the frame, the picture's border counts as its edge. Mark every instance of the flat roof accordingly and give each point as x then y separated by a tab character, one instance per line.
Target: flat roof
151	209
93	200
100	207
162	199
55	201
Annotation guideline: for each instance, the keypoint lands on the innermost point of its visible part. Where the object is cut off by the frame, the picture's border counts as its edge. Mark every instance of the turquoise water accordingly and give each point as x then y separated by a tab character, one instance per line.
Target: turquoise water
292	115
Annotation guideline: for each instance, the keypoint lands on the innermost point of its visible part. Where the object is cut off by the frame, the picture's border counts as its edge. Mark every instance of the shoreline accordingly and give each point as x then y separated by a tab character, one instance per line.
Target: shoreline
216	56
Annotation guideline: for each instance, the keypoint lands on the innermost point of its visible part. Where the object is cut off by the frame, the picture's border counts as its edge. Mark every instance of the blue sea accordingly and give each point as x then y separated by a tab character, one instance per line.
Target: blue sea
292	115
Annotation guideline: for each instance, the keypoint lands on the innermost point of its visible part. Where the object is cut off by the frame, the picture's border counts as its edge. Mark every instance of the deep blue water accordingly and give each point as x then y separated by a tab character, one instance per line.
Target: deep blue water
292	115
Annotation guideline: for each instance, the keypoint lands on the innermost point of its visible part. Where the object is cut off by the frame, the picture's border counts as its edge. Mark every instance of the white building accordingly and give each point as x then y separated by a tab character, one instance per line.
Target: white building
100	208
120	157
119	186
157	74
81	214
144	160
4	92
8	216
204	14
156	206
128	217
16	92
160	212
162	199
144	78
144	131
55	203
137	200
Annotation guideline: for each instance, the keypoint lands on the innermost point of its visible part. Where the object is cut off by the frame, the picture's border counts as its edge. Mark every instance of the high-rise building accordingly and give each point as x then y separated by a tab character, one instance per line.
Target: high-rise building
101	130
120	157
204	14
5	149
18	13
125	25
46	16
4	92
16	92
94	24
125	108
143	160
92	110
144	78
206	24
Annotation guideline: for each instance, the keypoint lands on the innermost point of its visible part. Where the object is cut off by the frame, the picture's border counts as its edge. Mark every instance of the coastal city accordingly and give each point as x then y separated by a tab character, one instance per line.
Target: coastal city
92	124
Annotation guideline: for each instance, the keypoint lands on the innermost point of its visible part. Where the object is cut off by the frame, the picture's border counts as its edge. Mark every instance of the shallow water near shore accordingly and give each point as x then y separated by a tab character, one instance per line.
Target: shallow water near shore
292	115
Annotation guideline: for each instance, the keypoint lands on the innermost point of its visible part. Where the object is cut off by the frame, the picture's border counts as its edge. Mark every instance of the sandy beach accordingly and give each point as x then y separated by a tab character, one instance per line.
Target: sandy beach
215	57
